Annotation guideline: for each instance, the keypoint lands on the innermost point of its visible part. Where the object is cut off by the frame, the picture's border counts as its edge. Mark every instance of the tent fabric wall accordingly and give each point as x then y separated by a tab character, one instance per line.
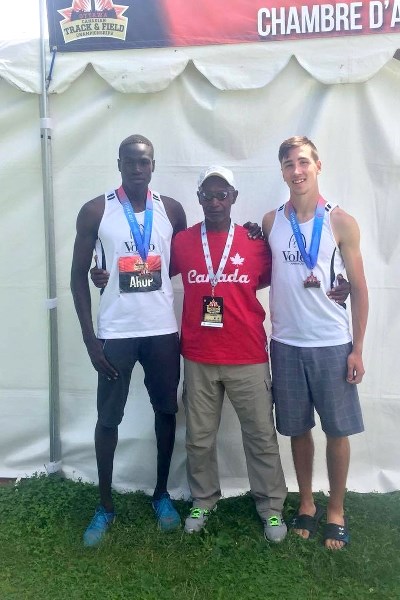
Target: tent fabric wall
192	123
242	66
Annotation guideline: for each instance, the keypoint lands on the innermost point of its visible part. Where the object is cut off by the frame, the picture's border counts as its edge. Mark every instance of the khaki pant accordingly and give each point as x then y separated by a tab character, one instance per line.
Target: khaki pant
249	390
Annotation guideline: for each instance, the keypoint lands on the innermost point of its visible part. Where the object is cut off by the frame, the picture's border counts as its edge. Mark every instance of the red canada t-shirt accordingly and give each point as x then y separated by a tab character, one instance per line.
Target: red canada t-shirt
242	339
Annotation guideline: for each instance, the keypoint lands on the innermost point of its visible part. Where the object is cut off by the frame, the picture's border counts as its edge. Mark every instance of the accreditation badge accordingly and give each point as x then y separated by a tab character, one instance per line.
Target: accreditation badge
213	311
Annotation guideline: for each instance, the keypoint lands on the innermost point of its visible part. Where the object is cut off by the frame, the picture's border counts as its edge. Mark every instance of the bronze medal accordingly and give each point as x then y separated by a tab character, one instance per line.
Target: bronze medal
311	281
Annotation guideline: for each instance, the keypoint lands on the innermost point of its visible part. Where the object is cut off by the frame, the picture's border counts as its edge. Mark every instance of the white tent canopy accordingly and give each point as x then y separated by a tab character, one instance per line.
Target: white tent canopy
227	67
231	105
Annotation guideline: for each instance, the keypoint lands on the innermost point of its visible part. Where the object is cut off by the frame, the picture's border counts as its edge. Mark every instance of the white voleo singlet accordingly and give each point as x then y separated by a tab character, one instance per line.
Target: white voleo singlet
305	317
135	311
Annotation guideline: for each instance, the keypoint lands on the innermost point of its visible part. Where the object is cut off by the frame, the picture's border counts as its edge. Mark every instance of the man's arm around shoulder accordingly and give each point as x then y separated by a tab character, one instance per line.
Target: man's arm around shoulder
261	257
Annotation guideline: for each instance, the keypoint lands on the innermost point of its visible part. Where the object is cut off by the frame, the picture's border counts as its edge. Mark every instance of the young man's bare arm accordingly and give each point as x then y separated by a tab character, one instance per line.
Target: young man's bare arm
267	222
175	213
347	236
87	226
177	217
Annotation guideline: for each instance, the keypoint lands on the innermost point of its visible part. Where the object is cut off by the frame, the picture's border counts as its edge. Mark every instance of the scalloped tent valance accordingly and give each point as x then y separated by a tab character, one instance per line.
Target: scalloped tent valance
227	67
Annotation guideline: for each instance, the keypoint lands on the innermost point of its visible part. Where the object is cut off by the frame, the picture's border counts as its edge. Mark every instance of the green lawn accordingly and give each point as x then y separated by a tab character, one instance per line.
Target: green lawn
41	554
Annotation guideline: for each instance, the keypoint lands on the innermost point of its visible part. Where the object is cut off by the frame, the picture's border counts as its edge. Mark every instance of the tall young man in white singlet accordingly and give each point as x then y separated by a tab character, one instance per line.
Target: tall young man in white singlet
314	362
130	229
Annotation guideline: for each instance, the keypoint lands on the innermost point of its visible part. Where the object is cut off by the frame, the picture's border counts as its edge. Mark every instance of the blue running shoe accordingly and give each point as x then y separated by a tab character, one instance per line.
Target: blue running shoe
167	517
98	526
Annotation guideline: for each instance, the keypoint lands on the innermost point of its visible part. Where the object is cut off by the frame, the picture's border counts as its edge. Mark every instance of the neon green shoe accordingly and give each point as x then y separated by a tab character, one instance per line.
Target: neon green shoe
197	519
275	529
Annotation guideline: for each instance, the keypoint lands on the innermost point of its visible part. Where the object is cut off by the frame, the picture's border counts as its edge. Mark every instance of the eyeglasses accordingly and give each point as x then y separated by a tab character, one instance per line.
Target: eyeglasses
222	195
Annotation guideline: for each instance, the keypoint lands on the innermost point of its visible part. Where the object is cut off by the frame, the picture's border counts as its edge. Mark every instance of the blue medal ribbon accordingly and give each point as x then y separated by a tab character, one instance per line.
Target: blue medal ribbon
311	257
142	241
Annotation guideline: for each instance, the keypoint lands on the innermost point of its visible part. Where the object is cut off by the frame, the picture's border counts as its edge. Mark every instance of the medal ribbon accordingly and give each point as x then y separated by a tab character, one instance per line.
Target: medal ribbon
311	257
214	278
142	241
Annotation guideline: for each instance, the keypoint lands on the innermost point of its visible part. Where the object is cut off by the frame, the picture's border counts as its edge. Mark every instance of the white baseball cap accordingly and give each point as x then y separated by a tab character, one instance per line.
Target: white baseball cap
217	171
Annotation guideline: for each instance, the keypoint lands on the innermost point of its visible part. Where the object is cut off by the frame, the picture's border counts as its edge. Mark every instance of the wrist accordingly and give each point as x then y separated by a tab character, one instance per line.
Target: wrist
89	339
357	349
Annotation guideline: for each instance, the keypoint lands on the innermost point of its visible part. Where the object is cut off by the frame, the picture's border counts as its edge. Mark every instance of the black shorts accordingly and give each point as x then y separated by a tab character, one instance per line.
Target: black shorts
160	359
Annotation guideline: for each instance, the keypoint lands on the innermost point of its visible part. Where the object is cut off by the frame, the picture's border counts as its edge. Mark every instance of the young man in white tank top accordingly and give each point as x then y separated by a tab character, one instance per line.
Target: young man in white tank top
314	363
131	230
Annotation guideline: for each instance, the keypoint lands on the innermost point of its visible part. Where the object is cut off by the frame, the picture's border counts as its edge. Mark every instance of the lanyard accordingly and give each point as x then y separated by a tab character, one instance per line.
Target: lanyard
311	257
214	278
142	241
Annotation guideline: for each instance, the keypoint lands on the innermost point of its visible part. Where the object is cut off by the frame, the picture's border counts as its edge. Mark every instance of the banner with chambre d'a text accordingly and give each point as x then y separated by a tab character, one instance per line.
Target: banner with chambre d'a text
85	25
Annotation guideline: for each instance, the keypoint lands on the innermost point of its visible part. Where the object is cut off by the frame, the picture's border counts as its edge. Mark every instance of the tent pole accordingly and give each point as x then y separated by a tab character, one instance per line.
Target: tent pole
51	303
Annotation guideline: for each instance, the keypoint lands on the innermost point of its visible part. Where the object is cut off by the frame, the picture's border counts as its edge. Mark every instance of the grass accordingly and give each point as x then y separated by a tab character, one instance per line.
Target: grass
41	555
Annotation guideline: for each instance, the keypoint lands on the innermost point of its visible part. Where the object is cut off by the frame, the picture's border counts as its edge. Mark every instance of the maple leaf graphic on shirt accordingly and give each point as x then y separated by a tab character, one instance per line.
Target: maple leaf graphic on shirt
237	259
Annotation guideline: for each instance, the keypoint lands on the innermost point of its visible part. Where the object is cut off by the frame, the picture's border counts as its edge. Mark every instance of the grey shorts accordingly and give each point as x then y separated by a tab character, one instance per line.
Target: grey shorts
308	378
160	359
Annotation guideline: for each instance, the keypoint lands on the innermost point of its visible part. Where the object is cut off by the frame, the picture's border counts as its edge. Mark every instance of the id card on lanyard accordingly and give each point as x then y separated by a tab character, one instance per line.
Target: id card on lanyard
213	306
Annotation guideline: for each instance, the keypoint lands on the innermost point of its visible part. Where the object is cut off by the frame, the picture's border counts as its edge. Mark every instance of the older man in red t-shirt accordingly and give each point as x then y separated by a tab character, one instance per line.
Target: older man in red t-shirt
224	349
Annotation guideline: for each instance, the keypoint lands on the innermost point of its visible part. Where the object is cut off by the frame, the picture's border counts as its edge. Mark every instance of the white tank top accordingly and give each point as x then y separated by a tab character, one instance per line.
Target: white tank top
138	298
305	317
